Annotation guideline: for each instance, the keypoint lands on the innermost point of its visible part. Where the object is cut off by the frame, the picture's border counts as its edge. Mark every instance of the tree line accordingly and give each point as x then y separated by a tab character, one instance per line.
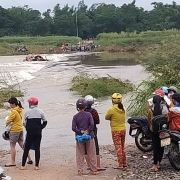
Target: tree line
88	22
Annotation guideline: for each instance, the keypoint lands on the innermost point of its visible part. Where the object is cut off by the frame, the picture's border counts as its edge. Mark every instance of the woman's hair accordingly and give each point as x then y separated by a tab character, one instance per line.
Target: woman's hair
157	105
120	106
14	100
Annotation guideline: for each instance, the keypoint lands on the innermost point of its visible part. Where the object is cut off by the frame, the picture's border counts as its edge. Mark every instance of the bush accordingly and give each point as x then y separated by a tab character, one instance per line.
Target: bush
99	86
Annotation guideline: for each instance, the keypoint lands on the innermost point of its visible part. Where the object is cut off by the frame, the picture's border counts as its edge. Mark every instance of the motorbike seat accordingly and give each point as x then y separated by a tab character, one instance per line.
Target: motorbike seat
137	119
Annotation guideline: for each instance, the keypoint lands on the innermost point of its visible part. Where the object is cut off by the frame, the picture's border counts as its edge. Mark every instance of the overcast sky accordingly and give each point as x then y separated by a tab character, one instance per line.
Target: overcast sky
43	5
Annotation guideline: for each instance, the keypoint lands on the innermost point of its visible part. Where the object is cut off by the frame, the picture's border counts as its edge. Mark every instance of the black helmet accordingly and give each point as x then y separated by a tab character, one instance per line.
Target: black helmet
5	135
176	97
81	103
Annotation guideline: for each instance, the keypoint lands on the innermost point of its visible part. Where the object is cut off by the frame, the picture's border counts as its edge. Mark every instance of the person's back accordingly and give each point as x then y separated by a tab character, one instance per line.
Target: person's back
82	121
117	117
174	118
95	116
15	117
33	118
82	125
174	113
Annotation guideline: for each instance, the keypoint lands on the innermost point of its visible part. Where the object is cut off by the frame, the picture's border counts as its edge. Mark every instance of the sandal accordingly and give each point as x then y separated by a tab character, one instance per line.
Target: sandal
22	168
101	169
95	172
30	162
80	173
153	169
36	168
10	165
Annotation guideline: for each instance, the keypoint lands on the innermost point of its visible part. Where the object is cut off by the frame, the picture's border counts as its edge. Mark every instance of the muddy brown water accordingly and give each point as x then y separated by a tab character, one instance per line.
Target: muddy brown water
51	85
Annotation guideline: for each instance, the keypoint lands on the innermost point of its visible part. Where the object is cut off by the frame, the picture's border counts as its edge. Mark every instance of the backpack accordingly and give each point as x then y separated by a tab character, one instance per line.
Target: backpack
158	122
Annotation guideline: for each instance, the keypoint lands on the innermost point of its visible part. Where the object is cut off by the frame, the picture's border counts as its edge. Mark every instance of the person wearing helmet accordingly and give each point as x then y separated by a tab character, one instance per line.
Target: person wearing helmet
14	121
174	113
34	122
162	93
171	91
89	102
117	115
165	89
83	123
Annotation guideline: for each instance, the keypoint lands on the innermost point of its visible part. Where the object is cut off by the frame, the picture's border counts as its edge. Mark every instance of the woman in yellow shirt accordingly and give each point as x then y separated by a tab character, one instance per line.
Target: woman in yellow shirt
16	131
117	115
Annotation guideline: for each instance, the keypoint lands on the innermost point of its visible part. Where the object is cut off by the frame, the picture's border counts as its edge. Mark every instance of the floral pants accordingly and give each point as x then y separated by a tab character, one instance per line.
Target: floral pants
119	142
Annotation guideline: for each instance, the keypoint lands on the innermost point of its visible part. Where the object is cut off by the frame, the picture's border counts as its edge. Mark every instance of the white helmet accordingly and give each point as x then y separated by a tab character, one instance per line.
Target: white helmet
89	100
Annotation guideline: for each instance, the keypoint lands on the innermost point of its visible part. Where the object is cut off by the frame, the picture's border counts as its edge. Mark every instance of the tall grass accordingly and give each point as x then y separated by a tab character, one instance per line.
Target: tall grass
164	63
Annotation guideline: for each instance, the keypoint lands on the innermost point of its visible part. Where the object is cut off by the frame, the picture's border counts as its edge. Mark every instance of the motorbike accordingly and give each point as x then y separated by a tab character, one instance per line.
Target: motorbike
170	140
139	129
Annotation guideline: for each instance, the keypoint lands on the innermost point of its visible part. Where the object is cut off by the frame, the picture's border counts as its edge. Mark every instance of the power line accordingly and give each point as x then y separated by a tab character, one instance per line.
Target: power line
16	2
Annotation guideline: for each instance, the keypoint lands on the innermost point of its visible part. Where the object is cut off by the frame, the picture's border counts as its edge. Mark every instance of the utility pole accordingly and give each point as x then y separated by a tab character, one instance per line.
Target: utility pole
77	30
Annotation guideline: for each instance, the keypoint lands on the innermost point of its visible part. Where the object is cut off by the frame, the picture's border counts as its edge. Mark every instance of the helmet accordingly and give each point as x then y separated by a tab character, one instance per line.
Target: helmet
165	89
5	135
116	98
159	92
176	97
173	88
33	101
89	100
81	103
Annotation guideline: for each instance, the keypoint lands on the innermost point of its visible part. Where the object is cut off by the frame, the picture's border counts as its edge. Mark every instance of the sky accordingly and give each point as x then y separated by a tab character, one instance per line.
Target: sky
43	5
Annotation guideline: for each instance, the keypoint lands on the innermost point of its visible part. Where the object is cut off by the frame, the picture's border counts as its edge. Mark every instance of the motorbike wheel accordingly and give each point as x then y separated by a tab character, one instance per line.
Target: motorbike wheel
174	156
140	143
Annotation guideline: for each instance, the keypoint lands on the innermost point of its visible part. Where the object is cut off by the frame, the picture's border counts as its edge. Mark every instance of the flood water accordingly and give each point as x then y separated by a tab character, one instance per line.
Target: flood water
51	85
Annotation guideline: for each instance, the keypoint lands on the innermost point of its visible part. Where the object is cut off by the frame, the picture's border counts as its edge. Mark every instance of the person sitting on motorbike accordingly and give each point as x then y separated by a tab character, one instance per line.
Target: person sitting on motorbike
174	113
157	109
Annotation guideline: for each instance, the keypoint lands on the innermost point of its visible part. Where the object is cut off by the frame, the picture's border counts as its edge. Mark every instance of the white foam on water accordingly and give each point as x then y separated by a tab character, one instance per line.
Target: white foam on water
17	71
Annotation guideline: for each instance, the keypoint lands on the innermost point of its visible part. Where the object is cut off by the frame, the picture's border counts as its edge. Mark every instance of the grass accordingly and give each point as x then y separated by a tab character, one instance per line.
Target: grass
83	84
6	93
142	39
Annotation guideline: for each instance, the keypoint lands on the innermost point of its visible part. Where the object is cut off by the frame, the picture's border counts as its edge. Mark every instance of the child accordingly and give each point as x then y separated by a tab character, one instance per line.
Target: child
83	123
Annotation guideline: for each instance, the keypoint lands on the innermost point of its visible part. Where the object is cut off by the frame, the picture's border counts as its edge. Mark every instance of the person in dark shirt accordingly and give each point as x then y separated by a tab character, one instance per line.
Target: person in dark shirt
90	101
34	122
83	124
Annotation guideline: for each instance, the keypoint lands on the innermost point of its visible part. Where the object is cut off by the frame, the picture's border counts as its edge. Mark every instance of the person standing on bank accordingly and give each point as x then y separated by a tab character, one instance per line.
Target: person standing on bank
117	115
89	102
34	122
83	124
158	111
16	130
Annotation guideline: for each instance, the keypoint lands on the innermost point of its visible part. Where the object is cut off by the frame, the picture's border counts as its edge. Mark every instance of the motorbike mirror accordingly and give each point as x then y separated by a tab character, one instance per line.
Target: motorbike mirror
164	126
